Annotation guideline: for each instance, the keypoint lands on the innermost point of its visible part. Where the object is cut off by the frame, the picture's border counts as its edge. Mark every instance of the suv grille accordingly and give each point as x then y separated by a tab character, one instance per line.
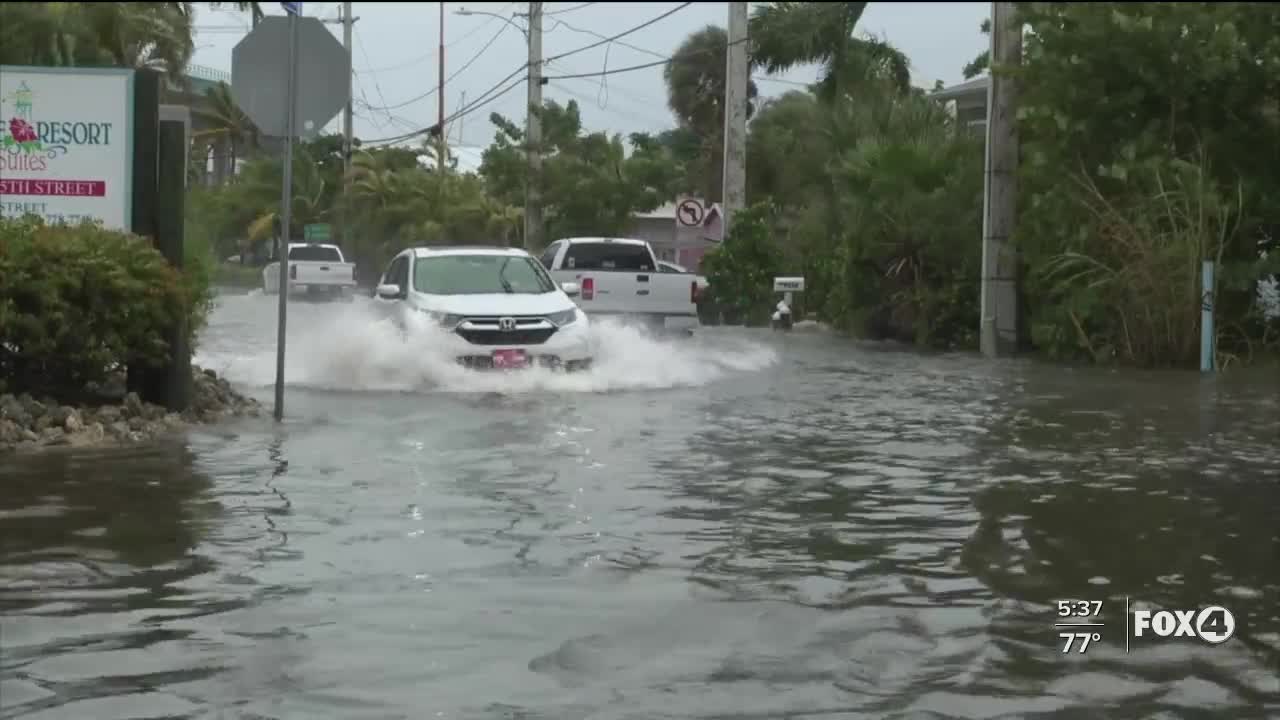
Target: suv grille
529	330
519	336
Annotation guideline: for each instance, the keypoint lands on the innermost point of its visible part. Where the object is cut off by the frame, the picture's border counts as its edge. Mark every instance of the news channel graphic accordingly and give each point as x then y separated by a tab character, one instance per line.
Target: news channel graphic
1080	624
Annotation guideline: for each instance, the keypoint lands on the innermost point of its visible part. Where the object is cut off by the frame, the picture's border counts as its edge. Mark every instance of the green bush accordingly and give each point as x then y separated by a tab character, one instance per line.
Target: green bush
77	302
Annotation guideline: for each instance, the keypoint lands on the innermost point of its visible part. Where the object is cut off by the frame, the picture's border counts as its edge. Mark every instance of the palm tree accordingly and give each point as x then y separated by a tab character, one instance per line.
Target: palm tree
787	34
229	127
695	93
134	35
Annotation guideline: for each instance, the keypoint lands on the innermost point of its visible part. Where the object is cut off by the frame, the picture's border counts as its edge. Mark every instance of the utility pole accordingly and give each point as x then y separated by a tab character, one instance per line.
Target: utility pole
999	331
533	134
737	76
442	149
347	22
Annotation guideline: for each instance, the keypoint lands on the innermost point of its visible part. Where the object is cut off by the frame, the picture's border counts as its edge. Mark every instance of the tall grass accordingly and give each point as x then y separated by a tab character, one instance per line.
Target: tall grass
1133	288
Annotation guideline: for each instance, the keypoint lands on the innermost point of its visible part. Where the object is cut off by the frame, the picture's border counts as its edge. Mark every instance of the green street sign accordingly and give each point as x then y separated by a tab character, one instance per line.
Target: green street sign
319	232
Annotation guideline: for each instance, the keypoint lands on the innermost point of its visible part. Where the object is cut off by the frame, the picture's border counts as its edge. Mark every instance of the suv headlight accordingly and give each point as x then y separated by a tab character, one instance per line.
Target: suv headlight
444	320
565	317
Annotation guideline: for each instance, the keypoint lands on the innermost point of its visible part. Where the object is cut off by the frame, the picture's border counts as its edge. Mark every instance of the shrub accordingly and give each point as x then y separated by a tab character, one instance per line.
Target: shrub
77	302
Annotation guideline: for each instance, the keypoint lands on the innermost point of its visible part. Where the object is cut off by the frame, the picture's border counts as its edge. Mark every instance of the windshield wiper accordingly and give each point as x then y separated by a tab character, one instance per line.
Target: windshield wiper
506	285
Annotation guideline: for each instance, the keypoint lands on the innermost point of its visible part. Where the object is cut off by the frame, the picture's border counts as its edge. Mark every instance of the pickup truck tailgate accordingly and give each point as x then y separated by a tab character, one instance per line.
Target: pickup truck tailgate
311	272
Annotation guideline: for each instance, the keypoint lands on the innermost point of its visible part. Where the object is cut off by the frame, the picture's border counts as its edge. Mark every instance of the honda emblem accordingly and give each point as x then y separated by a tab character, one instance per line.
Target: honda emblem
506	324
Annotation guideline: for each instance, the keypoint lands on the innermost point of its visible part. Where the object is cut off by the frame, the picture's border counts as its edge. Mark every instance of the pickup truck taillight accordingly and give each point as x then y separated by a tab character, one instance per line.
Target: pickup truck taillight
588	288
293	272
693	292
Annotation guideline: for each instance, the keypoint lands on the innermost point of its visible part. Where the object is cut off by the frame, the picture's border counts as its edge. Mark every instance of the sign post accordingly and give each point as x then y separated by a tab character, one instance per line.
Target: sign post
286	203
314	80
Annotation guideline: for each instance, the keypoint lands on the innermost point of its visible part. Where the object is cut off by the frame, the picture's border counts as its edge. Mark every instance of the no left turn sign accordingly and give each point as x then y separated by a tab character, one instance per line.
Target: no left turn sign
689	213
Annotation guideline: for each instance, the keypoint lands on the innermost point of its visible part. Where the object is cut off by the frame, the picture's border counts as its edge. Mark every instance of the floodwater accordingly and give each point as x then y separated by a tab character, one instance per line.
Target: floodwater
738	525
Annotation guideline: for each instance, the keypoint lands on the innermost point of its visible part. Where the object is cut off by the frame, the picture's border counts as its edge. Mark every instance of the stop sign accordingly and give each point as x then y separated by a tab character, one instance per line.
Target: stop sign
259	75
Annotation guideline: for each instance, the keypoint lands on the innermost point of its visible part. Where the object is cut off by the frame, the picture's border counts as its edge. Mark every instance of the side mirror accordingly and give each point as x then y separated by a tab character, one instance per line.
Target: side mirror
571	289
389	291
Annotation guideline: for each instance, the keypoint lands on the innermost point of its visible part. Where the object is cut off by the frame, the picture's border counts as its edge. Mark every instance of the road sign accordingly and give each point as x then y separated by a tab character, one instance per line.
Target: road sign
292	8
788	284
259	68
318	232
689	213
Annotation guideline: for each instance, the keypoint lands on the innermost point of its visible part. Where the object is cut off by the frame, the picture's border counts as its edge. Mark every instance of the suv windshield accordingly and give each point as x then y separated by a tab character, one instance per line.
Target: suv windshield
480	274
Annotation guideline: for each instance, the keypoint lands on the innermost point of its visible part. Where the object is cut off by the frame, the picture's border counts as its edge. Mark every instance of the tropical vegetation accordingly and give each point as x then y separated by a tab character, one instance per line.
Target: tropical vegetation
1143	132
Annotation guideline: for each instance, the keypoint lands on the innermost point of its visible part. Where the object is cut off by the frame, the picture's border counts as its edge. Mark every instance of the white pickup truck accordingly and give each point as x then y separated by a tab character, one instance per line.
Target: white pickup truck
314	269
621	277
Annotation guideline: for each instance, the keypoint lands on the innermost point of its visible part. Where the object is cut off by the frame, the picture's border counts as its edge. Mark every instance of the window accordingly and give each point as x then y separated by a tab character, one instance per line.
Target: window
623	257
669	267
480	274
549	257
315	253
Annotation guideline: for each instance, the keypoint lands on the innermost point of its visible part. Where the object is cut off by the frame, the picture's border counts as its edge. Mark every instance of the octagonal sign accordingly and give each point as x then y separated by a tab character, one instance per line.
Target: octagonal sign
259	67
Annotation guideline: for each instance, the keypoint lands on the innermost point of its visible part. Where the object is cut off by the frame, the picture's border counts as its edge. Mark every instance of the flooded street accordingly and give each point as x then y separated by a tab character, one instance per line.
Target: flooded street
739	525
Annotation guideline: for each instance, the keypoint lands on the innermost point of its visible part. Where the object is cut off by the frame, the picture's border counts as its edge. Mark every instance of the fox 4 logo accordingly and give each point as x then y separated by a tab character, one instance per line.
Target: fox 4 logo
1214	624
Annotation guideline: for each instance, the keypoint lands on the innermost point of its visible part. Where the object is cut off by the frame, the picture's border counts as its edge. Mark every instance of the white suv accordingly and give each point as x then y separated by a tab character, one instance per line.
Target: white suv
500	305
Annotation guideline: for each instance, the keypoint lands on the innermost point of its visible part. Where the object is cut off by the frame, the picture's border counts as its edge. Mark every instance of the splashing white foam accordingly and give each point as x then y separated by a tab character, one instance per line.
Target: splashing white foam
352	347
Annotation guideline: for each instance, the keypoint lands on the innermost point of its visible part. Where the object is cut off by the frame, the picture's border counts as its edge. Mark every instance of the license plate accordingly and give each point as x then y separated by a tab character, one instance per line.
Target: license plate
509	359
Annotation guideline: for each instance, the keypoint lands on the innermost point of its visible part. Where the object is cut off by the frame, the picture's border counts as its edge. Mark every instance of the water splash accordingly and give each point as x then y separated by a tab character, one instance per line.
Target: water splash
333	346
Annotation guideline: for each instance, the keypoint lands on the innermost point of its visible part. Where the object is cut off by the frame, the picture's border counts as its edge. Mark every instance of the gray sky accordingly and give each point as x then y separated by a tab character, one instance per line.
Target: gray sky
396	45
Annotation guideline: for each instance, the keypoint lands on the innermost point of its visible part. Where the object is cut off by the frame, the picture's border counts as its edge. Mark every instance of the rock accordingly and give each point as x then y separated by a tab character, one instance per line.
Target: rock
33	407
132	405
210	373
73	423
53	436
137	423
10	431
57	415
92	434
42	423
119	429
108	414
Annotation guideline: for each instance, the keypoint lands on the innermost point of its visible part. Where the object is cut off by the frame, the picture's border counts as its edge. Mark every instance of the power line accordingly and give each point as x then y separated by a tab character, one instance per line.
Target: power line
622	34
456	73
470	108
645	66
488	96
432	55
647	51
568	10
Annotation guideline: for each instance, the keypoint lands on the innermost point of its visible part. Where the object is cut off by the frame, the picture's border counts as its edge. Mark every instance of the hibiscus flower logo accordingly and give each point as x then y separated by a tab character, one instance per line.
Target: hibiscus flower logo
22	135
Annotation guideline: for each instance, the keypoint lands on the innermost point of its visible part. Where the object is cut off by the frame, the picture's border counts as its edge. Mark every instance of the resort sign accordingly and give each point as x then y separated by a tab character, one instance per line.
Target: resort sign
66	144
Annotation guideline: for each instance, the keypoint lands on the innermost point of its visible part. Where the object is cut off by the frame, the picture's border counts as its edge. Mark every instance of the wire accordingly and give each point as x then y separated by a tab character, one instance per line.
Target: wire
470	108
647	51
568	10
430	55
455	74
624	33
488	96
645	66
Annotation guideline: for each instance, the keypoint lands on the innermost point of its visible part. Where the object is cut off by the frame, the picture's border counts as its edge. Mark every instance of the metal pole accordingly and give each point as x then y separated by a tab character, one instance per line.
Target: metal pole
1206	318
533	134
442	145
347	23
737	76
286	197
